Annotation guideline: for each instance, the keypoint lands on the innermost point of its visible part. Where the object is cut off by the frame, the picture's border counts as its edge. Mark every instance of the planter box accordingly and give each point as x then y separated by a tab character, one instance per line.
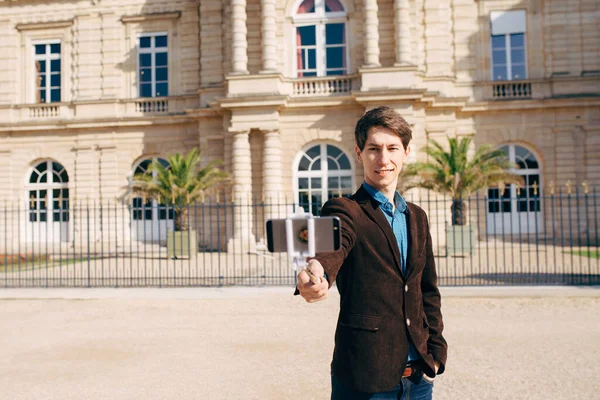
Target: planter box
460	240
182	244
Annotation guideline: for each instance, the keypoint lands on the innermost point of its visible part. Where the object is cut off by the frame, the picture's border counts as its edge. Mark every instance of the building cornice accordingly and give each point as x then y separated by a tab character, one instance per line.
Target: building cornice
385	95
150	17
250	102
199	113
95	123
531	104
44	25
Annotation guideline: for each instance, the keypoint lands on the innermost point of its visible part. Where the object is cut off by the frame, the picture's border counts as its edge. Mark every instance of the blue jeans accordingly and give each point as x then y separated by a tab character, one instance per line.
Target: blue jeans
405	390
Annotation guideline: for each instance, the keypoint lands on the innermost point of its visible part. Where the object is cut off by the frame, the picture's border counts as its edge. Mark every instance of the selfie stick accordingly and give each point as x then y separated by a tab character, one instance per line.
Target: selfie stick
298	255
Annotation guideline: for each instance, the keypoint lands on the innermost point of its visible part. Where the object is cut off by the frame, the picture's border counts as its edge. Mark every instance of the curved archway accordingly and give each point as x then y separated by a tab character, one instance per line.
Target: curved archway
47	189
517	209
150	219
321	171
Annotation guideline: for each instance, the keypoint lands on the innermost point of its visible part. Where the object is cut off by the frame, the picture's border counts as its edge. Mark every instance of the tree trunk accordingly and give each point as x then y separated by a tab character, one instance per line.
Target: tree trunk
181	219
459	212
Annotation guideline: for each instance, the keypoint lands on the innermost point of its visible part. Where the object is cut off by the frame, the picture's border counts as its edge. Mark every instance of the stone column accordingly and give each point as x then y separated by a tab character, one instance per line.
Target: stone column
371	34
269	38
402	24
239	56
243	239
272	180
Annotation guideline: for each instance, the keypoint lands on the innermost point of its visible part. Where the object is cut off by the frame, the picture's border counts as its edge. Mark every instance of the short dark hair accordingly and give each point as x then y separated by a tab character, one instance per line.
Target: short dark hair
385	117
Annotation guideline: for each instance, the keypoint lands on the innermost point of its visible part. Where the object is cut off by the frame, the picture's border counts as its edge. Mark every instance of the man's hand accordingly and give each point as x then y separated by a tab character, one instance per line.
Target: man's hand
311	282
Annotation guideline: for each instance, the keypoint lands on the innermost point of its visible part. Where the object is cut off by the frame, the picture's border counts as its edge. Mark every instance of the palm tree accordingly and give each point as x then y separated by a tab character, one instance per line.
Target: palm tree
456	174
179	184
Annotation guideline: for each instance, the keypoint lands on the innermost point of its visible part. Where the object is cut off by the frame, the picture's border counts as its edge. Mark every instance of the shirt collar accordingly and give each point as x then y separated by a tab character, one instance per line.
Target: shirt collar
381	199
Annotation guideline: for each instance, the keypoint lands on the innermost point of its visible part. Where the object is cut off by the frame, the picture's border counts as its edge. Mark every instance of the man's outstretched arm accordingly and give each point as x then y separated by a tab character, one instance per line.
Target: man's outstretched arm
315	281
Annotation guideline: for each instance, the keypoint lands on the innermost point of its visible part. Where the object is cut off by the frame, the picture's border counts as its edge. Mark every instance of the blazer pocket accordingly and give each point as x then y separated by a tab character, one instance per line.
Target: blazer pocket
361	322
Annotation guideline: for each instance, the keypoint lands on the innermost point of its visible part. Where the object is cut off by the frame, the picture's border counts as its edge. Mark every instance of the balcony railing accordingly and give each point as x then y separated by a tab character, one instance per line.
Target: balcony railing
326	86
154	106
96	109
44	111
511	90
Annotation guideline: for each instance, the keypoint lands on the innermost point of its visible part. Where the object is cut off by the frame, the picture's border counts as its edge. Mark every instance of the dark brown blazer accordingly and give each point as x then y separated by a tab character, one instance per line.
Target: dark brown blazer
381	310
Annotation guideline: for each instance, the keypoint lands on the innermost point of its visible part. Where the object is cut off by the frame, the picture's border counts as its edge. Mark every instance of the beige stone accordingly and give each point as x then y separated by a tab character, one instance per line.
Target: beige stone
232	68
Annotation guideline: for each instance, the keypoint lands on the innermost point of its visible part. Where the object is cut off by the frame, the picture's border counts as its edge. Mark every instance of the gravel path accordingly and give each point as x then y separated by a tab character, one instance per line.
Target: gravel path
263	343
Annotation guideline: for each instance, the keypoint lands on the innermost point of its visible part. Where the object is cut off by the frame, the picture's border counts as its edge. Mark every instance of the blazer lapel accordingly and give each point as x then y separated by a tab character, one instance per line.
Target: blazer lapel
371	208
413	241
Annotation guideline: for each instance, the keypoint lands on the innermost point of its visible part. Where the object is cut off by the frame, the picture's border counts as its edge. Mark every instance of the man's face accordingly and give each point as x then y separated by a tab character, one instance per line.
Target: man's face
382	158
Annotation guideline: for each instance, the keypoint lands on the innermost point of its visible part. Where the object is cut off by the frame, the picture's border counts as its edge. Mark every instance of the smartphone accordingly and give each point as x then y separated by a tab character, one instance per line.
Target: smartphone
328	234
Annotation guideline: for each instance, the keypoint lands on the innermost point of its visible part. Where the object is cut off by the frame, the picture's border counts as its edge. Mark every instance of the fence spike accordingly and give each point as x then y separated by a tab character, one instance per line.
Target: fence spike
551	185
535	188
585	187
568	185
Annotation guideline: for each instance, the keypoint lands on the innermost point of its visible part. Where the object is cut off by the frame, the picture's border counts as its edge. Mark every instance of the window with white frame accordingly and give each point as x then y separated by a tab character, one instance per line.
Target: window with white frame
153	65
48	193
520	199
517	209
509	55
320	32
46	56
150	209
323	171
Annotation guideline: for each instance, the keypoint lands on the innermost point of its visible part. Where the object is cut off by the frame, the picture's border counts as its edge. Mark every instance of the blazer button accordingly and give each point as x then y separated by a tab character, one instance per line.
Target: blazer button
406	288
407	322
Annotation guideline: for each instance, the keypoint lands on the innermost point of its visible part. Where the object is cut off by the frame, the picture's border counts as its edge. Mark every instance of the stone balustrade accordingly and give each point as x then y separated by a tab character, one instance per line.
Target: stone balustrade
151	105
511	90
326	86
44	111
94	110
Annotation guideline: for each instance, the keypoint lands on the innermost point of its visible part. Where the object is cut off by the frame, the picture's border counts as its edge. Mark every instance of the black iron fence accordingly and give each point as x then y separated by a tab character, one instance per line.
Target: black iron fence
543	240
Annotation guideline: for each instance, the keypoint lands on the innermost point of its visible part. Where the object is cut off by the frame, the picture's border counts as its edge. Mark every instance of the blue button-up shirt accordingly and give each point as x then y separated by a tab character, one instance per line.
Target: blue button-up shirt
399	223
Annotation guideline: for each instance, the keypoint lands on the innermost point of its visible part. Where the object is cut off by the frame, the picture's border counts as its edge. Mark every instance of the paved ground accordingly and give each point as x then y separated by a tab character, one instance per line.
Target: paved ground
263	343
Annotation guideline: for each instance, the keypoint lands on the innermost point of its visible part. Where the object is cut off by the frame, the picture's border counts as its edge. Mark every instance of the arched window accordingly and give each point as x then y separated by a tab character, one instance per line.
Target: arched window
320	32
150	219
149	210
48	192
323	171
515	209
48	203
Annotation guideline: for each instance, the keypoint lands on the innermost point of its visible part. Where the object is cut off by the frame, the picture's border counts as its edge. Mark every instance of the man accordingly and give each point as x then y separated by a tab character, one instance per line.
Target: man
388	341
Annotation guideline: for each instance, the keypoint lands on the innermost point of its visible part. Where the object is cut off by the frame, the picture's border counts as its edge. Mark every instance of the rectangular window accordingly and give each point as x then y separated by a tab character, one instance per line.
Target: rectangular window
140	210
499	202
509	61
153	65
306	39
321	49
47	72
335	49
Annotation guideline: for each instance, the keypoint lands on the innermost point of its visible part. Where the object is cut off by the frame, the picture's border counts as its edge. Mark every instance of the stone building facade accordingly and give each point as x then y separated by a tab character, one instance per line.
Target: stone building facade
90	91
